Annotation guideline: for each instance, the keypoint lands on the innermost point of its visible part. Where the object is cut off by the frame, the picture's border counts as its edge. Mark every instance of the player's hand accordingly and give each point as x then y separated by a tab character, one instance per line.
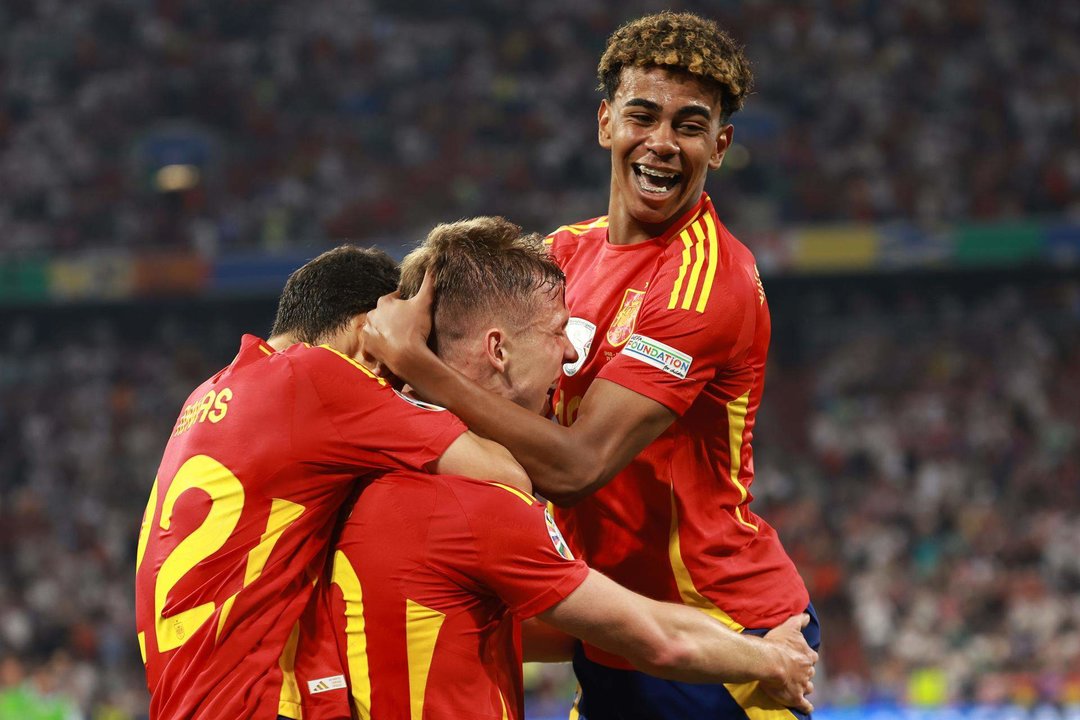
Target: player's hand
795	663
397	330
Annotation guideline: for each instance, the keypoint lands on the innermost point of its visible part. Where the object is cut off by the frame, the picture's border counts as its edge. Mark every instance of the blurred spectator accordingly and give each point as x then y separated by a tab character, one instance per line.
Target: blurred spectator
228	126
43	695
919	453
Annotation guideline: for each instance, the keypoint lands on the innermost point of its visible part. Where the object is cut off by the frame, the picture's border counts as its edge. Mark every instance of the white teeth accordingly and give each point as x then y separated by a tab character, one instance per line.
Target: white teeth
656	173
646	182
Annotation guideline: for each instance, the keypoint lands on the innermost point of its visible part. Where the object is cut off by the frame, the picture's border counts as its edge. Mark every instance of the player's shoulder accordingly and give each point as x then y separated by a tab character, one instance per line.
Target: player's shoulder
486	501
324	363
571	235
706	268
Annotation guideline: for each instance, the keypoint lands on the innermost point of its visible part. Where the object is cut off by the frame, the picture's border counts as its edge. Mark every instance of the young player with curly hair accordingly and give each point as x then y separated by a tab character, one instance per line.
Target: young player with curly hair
651	462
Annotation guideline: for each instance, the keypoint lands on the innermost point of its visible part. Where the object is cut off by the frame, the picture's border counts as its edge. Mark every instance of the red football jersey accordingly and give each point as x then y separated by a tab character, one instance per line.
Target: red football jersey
238	522
428	580
681	319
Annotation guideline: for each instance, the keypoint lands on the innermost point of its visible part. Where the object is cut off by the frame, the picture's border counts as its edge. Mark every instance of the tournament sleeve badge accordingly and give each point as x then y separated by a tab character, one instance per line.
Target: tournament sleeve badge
556	537
581	332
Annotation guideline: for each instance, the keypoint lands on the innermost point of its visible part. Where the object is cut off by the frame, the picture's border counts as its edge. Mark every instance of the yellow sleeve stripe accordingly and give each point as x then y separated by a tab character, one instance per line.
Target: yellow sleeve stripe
737	410
699	262
355	364
524	496
710	274
685	237
702	238
580	228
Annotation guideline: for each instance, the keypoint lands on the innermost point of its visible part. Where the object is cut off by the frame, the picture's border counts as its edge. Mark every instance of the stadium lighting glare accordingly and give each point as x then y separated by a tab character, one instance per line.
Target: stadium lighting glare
176	178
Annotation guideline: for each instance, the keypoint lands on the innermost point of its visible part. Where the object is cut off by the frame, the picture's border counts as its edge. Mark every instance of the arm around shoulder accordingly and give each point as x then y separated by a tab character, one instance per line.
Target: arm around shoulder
612	425
473	456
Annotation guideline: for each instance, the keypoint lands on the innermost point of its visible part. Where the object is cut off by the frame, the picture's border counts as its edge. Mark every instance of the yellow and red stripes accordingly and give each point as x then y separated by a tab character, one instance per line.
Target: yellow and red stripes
700	256
737	411
578	228
520	494
355	364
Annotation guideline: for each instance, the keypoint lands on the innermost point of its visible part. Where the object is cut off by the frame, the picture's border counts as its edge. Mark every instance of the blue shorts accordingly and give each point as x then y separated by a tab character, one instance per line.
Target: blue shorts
610	694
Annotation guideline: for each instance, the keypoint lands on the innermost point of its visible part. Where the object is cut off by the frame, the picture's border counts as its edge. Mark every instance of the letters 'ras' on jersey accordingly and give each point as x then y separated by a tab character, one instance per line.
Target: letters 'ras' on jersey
681	319
237	526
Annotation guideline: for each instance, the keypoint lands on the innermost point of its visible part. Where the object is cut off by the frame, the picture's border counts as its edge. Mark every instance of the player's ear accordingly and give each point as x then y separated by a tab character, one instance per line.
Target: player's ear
603	124
723	142
495	349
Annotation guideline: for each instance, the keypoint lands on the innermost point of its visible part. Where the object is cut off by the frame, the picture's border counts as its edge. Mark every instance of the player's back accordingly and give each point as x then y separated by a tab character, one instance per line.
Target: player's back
430	572
254	473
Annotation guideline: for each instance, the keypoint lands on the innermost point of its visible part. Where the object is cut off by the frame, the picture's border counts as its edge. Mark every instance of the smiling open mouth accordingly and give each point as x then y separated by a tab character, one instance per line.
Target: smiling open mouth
655	181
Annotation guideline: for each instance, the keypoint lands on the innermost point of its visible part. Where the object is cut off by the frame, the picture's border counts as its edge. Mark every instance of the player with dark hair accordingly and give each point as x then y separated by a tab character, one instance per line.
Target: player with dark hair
431	573
651	462
259	462
323	296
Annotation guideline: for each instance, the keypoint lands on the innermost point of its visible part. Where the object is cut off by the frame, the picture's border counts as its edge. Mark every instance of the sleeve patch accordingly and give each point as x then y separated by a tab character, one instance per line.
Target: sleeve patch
556	537
660	356
419	403
581	333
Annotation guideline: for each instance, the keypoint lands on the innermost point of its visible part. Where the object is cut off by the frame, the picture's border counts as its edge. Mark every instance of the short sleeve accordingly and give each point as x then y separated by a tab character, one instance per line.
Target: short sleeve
521	555
691	323
373	424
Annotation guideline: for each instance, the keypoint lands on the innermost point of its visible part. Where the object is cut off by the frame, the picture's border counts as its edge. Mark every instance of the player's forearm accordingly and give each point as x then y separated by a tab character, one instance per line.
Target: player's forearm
662	639
697	648
553	456
482	459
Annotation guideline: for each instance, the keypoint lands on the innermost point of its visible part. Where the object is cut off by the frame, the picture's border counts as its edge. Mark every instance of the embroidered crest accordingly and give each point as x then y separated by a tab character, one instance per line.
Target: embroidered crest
622	327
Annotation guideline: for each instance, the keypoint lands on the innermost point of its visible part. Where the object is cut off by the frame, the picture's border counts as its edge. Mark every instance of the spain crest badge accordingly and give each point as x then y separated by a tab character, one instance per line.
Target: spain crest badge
622	327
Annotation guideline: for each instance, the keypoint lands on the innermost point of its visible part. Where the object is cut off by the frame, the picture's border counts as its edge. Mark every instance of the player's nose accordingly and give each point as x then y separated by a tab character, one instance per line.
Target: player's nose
661	141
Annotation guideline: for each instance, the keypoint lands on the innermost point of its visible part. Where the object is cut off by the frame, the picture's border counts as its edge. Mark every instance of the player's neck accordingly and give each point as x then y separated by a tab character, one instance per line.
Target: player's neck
281	342
624	229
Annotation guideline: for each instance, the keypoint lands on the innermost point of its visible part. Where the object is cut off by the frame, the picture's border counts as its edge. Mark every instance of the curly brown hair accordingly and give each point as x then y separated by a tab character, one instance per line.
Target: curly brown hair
682	42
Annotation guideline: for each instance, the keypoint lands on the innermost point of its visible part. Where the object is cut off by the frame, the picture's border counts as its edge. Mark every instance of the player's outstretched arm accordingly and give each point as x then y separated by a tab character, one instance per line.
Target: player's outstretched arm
476	457
680	643
612	425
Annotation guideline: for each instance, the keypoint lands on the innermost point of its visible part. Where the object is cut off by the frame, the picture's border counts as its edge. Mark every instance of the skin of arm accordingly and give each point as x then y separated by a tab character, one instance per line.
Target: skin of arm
566	463
680	643
476	457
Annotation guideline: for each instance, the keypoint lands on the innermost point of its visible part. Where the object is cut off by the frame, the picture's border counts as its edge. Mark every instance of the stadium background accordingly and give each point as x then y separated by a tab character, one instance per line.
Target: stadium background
907	173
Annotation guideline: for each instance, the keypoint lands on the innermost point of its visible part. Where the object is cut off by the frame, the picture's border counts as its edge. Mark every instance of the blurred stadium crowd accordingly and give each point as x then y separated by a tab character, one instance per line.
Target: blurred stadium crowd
351	118
919	453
